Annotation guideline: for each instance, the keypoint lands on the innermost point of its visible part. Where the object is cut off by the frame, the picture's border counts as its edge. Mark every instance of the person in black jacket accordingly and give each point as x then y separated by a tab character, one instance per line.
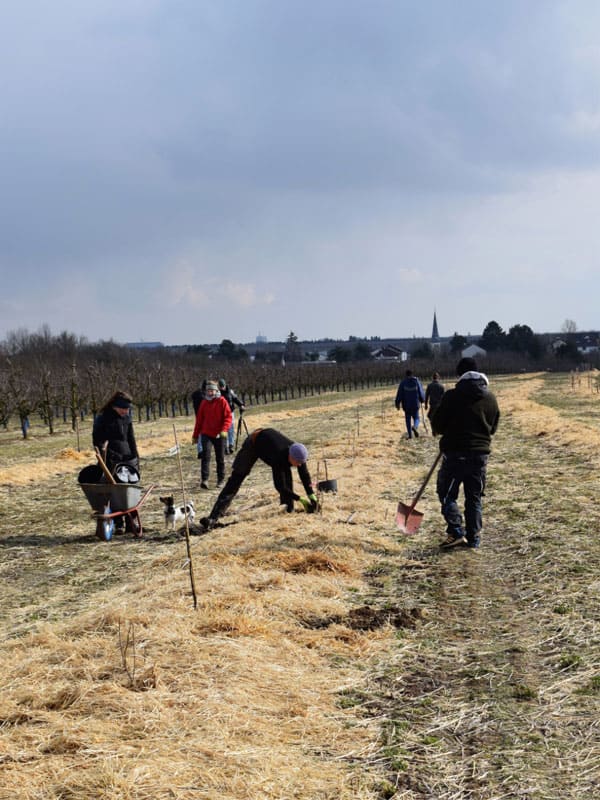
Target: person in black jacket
433	394
279	453
198	396
233	400
467	418
112	432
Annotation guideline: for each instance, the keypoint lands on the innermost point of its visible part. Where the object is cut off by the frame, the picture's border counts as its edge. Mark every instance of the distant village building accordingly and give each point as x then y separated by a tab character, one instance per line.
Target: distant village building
587	342
144	345
389	352
473	351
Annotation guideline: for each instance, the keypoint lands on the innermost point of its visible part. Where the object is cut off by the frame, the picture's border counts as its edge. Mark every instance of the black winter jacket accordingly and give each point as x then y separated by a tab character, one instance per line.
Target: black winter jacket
467	416
273	448
118	432
232	398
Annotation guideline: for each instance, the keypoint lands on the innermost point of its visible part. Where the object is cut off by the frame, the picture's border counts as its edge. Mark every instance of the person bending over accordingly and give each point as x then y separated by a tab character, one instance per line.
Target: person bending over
279	453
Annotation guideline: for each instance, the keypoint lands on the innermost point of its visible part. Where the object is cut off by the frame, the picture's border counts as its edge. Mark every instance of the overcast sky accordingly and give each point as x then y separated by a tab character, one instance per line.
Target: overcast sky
188	171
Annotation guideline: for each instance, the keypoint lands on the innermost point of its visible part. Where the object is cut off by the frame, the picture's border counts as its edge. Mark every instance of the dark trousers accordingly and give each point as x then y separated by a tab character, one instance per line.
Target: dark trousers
208	443
240	469
411	417
468	469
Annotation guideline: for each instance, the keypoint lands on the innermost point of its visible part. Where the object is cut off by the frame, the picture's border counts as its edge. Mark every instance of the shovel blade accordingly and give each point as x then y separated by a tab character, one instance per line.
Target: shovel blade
408	521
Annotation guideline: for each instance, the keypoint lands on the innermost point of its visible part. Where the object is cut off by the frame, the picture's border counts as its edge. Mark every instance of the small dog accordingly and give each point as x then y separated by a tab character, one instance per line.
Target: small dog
176	515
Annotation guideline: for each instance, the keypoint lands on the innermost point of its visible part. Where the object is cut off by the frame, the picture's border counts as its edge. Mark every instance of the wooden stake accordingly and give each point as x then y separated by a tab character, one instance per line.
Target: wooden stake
187	523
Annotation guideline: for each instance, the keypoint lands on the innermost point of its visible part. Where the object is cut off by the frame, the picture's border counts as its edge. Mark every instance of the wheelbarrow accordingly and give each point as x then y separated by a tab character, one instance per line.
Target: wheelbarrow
114	502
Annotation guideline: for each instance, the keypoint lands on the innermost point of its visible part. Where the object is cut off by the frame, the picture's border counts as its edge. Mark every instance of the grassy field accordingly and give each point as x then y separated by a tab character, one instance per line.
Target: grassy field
329	656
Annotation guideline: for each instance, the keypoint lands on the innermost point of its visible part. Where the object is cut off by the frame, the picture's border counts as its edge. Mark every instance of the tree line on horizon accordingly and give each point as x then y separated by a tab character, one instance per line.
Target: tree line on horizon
66	379
518	339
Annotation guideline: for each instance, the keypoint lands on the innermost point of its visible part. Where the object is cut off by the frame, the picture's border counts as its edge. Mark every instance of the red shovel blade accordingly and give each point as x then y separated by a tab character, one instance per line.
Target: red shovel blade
408	521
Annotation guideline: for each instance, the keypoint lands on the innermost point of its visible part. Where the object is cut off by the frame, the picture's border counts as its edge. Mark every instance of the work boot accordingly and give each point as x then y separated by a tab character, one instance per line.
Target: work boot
451	541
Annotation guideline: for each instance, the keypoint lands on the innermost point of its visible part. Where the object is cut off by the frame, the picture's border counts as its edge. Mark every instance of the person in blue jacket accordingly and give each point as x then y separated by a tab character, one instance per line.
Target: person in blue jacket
409	397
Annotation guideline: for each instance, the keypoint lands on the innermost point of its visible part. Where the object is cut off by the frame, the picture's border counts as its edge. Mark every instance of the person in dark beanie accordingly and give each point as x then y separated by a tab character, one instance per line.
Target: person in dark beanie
279	453
433	394
112	432
409	397
197	398
233	400
467	418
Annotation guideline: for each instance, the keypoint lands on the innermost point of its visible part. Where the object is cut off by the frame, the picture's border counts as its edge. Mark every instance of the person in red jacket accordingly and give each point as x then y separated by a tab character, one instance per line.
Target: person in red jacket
213	420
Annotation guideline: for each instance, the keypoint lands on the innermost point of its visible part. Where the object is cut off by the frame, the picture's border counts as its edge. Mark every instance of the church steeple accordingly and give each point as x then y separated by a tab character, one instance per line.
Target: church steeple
435	336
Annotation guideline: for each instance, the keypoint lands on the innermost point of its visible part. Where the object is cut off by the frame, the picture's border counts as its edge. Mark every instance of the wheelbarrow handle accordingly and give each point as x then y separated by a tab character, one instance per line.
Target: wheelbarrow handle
105	469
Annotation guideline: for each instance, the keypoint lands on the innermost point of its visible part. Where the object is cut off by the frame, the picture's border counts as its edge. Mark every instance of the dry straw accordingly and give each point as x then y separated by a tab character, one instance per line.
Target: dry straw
329	657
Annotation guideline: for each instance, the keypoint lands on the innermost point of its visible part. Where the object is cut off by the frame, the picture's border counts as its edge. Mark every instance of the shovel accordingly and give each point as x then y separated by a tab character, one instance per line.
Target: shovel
105	469
407	519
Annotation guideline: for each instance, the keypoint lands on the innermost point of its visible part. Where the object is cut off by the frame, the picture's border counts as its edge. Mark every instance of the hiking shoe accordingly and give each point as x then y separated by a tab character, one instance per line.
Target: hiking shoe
416	432
451	542
204	485
220	482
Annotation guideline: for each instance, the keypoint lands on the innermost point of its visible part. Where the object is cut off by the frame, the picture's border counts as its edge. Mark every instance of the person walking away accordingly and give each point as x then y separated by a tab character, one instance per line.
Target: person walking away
281	454
467	418
112	432
409	397
233	400
212	423
433	394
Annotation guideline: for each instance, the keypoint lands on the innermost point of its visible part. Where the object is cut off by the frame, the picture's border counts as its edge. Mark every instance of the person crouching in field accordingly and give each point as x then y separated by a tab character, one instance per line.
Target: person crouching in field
279	453
213	419
467	418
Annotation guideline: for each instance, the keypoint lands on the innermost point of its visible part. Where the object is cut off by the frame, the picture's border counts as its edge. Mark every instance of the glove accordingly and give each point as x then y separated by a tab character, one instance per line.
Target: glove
308	505
194	440
223	435
314	503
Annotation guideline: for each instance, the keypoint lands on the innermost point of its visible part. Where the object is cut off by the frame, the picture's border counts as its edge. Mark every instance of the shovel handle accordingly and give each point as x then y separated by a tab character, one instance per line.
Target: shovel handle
423	485
424	418
105	469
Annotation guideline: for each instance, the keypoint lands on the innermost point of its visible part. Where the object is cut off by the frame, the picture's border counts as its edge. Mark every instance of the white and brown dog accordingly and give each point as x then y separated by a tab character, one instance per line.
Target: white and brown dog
175	515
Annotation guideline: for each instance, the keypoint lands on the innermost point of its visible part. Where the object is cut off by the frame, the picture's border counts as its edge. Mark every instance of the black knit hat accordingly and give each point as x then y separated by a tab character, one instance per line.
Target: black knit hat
466	365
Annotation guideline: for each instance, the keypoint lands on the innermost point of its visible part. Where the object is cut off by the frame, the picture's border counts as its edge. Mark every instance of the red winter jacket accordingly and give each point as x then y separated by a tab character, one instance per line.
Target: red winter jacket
212	418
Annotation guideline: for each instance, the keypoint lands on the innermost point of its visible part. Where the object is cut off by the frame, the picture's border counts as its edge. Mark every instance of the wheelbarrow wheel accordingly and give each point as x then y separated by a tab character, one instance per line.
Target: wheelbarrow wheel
134	524
105	529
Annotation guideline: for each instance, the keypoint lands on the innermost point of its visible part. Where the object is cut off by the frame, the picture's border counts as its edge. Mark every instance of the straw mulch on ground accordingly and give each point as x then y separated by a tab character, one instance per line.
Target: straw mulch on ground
329	656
